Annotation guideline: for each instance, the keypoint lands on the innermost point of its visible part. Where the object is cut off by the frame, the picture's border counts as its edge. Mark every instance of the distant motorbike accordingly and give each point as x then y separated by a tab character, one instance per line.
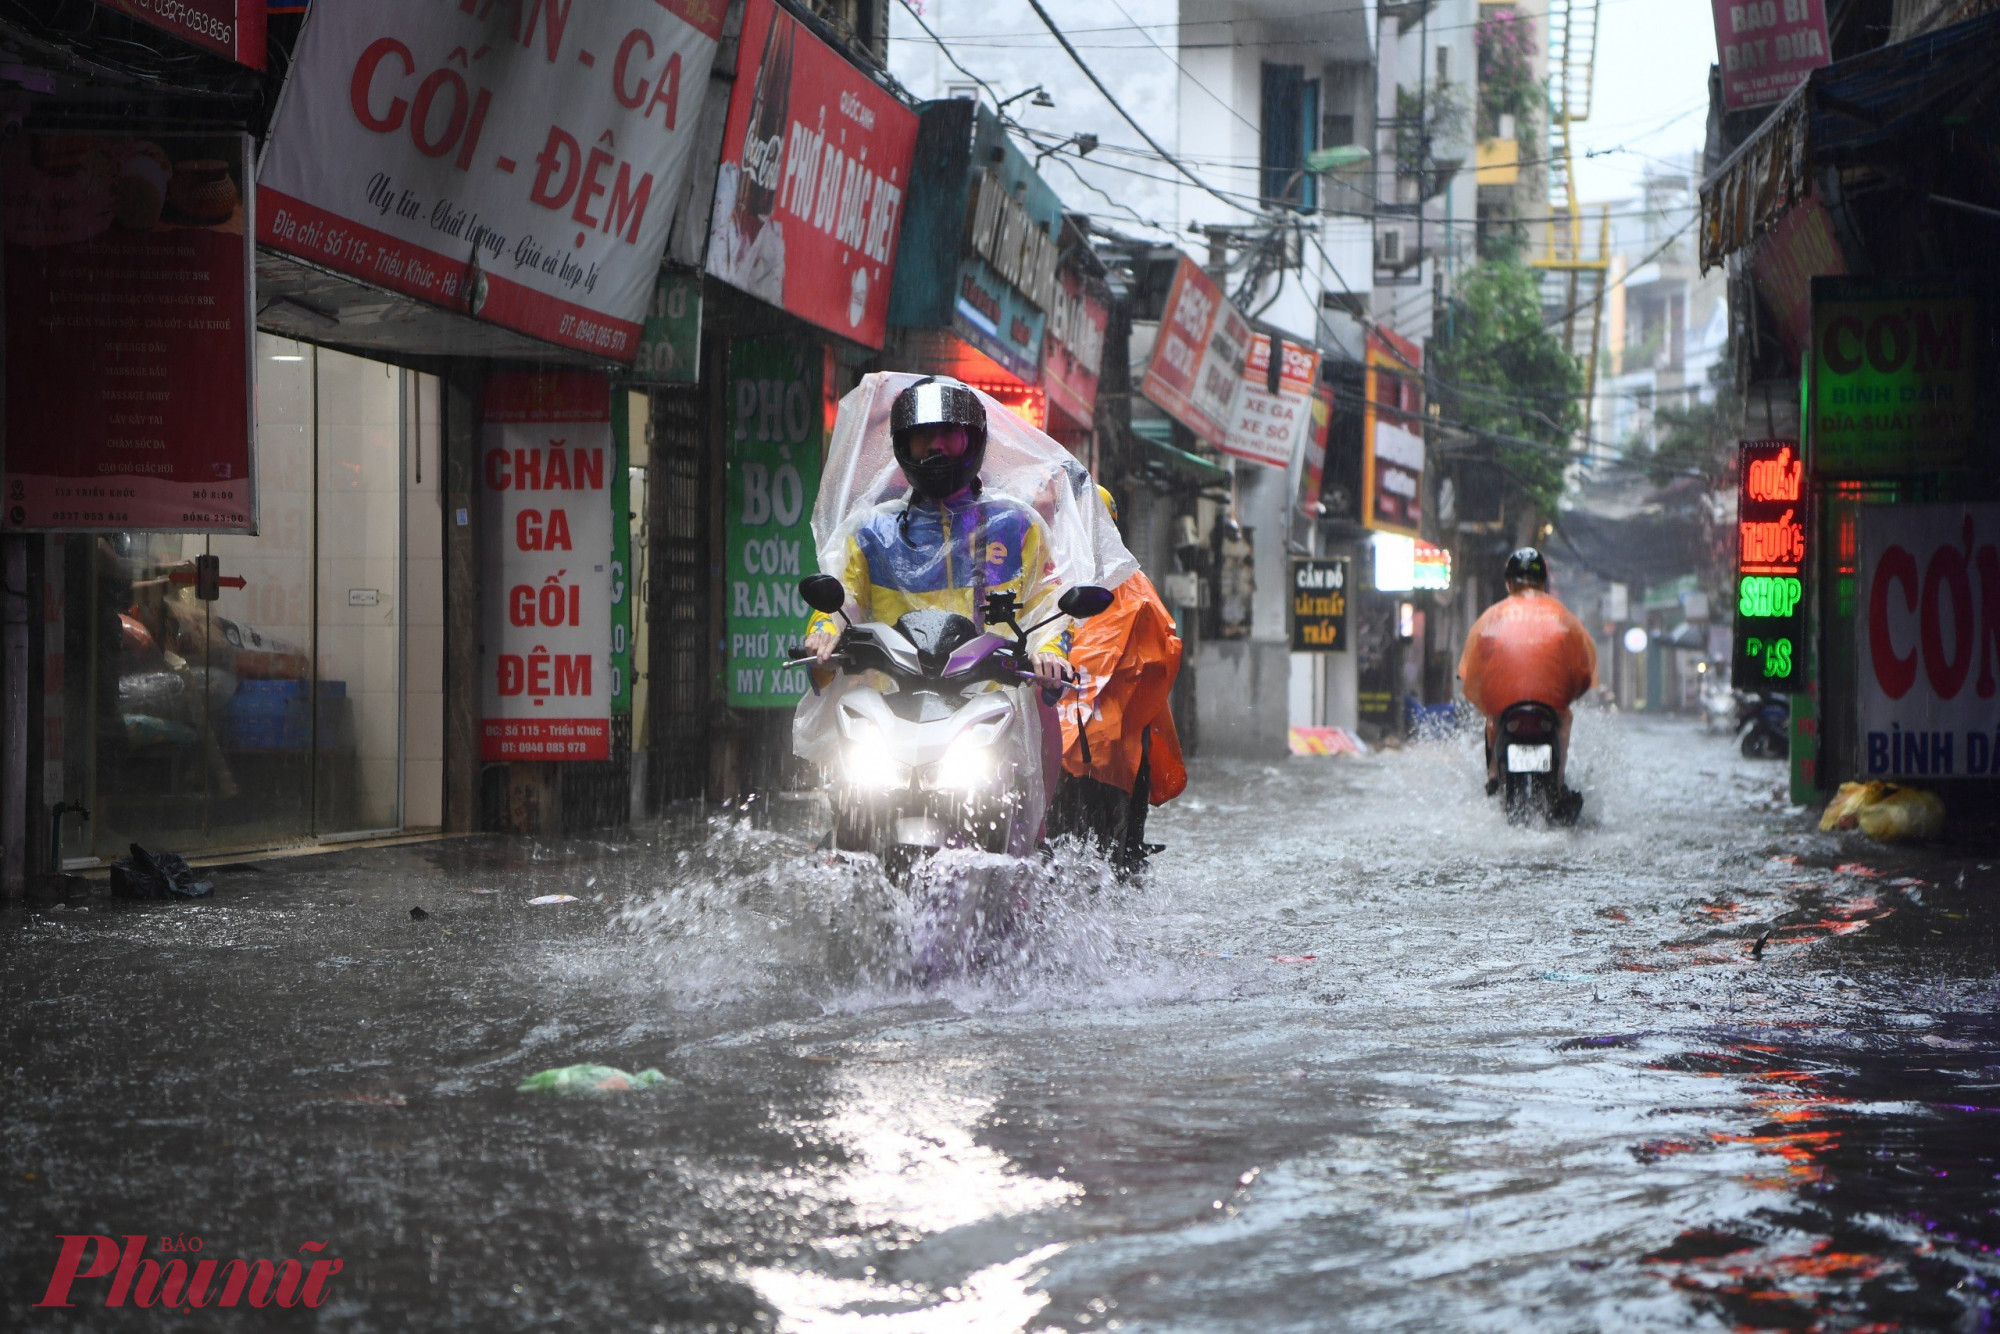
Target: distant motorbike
1529	736
1718	703
942	748
1764	725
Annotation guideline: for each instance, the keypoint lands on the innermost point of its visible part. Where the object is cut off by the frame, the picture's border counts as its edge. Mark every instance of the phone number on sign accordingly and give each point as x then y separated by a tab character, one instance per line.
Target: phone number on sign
590	333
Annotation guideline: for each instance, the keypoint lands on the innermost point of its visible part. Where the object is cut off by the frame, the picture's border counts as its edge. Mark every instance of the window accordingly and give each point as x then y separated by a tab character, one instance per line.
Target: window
967	91
1290	130
1336	131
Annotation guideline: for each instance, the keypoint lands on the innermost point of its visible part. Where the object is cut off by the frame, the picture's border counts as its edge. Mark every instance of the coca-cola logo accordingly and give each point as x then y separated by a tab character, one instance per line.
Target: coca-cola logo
762	159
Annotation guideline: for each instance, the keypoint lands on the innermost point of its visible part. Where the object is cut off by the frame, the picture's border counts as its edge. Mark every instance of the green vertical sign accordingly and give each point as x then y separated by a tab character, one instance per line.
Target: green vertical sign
775	424
670	339
621	553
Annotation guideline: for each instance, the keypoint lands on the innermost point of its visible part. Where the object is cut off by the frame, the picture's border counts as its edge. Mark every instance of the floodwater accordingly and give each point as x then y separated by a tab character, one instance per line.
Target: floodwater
1358	1056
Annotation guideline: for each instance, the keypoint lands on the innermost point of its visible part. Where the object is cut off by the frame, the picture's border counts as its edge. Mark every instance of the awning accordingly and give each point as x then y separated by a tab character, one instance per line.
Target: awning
1846	114
1160	457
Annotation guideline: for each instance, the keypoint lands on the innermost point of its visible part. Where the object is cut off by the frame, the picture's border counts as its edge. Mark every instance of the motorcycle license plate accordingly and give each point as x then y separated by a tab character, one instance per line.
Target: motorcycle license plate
1530	759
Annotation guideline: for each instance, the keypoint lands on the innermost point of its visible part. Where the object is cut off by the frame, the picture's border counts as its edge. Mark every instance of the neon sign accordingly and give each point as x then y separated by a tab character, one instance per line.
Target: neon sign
1772	550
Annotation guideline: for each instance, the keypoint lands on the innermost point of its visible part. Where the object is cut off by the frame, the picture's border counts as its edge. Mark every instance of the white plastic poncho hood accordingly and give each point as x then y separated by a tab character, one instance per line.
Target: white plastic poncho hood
1022	464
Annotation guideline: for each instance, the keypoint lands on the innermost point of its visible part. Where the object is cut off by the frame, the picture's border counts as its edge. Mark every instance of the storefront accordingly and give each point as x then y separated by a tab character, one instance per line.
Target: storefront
804	239
304	700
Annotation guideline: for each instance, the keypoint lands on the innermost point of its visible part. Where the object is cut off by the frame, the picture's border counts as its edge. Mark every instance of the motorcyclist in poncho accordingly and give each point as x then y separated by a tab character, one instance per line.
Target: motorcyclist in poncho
1527	646
1121	752
944	545
933	498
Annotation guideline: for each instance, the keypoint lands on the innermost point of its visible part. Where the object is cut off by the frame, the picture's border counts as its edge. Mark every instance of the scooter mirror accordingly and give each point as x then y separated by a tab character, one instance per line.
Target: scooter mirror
1085	601
823	593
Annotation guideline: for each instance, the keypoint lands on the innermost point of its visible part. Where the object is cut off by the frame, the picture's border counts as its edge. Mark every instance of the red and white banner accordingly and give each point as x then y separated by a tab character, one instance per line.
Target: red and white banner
230	28
815	167
515	162
1198	355
1766	48
129	334
546	545
1928	648
1073	349
1270	428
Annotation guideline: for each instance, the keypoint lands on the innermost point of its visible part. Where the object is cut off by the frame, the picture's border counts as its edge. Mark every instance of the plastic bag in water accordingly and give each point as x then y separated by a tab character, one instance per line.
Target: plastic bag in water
590	1079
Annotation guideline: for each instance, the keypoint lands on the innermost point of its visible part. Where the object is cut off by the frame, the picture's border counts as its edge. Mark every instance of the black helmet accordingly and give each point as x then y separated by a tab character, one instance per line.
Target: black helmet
1526	566
939	400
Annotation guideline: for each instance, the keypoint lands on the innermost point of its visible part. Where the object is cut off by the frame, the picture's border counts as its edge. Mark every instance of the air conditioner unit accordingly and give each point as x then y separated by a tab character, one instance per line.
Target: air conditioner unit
1389	247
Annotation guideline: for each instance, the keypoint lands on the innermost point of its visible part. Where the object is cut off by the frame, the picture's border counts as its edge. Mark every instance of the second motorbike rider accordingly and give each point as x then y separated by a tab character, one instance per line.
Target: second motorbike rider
1527	647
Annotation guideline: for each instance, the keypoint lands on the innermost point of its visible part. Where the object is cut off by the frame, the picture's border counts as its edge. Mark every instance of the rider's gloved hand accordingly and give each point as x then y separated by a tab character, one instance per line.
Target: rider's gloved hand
1051	669
822	643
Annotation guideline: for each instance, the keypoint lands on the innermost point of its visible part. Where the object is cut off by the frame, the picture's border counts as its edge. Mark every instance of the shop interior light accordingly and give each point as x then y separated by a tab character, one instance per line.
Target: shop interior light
1395	563
1636	640
1028	403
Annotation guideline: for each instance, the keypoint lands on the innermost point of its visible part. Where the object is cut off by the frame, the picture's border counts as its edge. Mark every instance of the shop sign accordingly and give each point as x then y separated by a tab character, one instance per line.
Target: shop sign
1772	546
1928	641
776	423
547	459
1319	605
233	29
1270	428
518	163
1895	382
622	579
1313	475
1074	350
815	168
129	334
670	339
1392	482
1198	357
1430	569
1007	278
1801	247
1766	48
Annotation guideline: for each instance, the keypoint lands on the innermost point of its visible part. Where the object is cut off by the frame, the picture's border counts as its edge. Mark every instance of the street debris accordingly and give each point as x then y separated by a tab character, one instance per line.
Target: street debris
165	875
1885	812
590	1079
547	899
1294	958
419	915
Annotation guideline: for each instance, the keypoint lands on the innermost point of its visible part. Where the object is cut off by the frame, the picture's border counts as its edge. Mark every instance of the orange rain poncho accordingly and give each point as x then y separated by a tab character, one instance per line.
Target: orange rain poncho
1127	658
1527	646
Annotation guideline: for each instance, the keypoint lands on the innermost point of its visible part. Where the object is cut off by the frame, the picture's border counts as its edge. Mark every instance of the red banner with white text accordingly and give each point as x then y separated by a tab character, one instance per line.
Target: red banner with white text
230	28
815	166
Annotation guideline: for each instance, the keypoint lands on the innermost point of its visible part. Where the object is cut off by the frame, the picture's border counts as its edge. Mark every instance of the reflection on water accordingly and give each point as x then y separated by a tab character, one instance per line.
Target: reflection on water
1357	1055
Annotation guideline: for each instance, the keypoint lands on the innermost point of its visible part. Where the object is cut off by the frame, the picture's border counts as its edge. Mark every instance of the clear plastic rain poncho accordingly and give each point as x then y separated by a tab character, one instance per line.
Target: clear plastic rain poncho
1038	528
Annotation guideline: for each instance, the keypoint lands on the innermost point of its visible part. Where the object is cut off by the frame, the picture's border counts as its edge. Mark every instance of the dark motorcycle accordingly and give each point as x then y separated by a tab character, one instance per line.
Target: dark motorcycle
1531	756
1764	725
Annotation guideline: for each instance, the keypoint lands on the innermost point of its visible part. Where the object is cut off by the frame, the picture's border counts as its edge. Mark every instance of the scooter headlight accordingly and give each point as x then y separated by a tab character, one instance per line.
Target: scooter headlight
972	760
865	760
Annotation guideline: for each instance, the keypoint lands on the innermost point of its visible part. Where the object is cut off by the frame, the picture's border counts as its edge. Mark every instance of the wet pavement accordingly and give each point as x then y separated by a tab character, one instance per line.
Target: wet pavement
1357	1057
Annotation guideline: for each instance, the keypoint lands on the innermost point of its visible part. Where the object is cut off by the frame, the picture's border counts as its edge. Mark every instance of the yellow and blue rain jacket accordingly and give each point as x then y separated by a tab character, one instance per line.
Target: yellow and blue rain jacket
911	555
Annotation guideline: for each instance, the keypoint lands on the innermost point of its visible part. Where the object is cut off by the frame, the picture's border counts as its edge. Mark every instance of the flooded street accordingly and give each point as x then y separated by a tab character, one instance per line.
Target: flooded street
1357	1056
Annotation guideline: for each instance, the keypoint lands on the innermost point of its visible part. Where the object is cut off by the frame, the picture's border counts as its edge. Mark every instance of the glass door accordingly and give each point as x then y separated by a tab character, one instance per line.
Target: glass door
289	706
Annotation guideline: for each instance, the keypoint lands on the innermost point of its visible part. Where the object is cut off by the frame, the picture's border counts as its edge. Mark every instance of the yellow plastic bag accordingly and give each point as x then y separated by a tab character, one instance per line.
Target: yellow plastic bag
1904	815
1843	810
